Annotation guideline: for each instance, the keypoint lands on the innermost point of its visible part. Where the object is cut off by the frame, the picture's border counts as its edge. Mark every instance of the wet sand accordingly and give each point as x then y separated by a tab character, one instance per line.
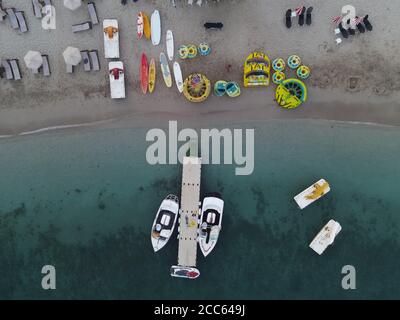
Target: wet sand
369	60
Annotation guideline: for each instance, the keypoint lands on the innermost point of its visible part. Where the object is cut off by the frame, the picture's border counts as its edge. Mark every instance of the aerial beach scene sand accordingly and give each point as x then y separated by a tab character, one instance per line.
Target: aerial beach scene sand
78	193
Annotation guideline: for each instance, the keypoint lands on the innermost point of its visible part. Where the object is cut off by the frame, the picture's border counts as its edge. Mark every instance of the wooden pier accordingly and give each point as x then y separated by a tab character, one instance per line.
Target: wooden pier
189	212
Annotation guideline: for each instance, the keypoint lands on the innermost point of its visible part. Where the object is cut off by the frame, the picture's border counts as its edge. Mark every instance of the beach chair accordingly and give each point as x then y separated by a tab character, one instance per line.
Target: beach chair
93	13
21	21
7	69
46	65
15	69
70	68
82	27
12	18
86	61
37	9
94	57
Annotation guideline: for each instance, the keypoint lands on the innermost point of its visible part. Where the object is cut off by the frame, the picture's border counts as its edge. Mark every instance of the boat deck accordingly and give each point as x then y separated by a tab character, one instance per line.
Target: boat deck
189	212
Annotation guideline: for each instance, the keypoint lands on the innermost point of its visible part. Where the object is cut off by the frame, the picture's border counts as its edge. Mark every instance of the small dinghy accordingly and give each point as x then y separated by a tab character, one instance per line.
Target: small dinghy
325	237
164	223
312	193
210	222
184	272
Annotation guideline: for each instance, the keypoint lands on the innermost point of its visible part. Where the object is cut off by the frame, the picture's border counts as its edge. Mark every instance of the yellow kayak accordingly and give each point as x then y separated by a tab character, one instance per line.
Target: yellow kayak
146	26
152	75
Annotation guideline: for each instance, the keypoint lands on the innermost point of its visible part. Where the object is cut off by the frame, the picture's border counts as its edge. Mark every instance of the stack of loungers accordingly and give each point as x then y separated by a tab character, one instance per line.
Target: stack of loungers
11	69
15	17
87	25
90	60
37	9
45	68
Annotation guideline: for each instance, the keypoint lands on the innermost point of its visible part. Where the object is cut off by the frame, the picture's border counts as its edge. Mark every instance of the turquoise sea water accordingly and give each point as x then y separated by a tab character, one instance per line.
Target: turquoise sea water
85	201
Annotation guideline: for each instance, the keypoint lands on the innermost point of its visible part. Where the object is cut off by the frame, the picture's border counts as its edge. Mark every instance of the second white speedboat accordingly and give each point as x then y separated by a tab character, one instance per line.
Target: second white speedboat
164	223
326	236
210	222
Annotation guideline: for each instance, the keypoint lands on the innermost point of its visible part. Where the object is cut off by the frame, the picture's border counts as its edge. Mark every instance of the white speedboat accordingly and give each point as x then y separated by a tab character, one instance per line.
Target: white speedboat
312	193
325	237
117	79
184	272
164	223
210	222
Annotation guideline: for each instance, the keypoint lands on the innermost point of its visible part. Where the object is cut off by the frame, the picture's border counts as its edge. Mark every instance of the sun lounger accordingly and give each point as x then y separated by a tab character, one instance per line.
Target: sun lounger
94	57
12	18
82	26
21	21
8	70
93	13
46	65
15	69
37	9
86	60
70	68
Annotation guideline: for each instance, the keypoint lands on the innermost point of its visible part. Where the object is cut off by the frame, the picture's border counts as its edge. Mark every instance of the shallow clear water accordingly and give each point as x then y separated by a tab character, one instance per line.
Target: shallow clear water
85	201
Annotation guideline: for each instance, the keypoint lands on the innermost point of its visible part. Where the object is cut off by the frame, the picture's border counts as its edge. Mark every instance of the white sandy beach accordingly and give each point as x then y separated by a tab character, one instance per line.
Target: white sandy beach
64	99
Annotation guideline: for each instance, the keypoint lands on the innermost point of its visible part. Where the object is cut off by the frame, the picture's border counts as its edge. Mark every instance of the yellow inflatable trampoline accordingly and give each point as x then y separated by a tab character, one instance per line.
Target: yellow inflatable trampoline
257	69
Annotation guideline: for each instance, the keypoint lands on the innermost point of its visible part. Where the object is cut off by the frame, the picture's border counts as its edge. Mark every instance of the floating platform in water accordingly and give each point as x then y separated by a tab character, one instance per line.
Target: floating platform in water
188	220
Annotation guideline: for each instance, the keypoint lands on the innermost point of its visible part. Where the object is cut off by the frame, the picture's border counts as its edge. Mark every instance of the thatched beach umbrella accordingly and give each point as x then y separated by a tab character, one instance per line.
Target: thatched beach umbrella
33	60
72	56
72	4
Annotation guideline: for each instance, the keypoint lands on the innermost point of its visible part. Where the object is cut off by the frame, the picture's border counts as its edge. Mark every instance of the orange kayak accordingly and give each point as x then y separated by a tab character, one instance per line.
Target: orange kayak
146	26
144	73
